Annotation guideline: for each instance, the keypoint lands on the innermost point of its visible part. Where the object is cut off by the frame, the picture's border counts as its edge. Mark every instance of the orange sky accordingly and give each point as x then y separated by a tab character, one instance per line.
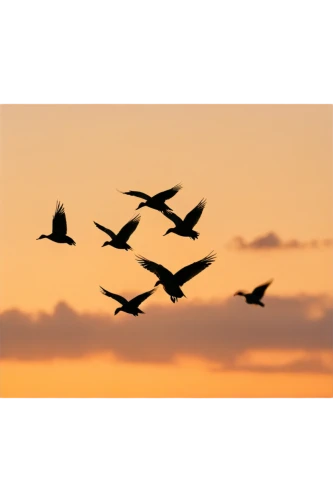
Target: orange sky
262	168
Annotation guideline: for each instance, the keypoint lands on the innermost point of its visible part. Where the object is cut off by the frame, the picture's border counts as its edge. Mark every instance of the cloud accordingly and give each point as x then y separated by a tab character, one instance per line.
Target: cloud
272	241
219	332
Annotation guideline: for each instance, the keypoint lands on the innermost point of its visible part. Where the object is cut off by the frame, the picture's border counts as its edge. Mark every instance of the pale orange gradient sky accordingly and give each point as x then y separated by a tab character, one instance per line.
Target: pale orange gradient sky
261	168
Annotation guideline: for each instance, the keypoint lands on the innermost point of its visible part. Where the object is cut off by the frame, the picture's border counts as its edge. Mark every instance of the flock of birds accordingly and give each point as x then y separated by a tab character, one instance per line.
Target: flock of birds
171	283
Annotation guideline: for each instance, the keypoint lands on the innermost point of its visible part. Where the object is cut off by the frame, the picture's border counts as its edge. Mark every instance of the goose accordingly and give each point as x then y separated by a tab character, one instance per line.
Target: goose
172	282
157	202
120	240
59	227
185	227
129	306
257	294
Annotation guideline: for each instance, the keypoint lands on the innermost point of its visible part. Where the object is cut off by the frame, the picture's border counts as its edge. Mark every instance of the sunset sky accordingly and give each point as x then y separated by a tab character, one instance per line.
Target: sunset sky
266	172
209	397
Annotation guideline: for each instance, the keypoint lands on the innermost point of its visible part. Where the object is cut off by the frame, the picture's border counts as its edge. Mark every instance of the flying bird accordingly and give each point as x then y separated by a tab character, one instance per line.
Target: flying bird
257	294
157	202
185	227
59	227
172	282
120	240
129	306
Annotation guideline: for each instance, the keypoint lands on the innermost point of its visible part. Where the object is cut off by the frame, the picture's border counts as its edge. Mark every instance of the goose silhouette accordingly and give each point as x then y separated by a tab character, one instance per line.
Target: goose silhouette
185	227
256	295
129	306
172	282
157	202
120	240
59	227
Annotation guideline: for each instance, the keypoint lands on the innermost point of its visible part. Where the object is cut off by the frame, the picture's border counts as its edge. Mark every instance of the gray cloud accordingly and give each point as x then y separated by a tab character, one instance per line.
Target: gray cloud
218	332
272	241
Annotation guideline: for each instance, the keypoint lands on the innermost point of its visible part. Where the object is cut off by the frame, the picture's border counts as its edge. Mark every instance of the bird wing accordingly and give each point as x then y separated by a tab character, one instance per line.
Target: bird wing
138	194
173	217
260	290
188	272
140	298
129	228
59	224
194	215
114	296
105	229
166	195
161	272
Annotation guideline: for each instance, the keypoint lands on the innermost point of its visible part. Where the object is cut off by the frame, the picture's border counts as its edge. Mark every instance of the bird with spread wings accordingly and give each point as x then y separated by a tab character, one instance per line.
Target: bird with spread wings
129	306
157	202
185	227
59	227
120	240
256	295
172	282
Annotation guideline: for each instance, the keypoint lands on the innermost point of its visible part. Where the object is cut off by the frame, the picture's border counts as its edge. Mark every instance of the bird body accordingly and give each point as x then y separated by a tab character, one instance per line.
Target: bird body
59	227
172	282
156	202
120	240
185	227
129	306
256	295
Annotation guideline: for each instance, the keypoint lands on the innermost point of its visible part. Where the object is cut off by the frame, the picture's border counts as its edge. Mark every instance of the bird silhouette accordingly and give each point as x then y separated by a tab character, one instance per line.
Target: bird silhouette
59	227
257	294
185	227
157	202
129	306
120	240
172	282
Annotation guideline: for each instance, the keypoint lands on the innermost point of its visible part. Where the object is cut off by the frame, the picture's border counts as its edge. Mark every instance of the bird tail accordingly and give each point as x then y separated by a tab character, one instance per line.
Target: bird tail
261	304
195	235
128	247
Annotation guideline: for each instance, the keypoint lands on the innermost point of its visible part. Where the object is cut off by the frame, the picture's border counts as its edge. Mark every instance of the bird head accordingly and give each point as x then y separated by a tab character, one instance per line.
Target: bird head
170	230
239	293
157	283
106	243
117	310
42	236
142	204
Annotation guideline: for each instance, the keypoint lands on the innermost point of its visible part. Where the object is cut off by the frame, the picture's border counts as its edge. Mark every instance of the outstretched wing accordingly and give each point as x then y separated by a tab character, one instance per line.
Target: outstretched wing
140	298
260	290
59	224
138	194
114	296
192	217
173	217
166	195
188	272
105	230
161	272
129	228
